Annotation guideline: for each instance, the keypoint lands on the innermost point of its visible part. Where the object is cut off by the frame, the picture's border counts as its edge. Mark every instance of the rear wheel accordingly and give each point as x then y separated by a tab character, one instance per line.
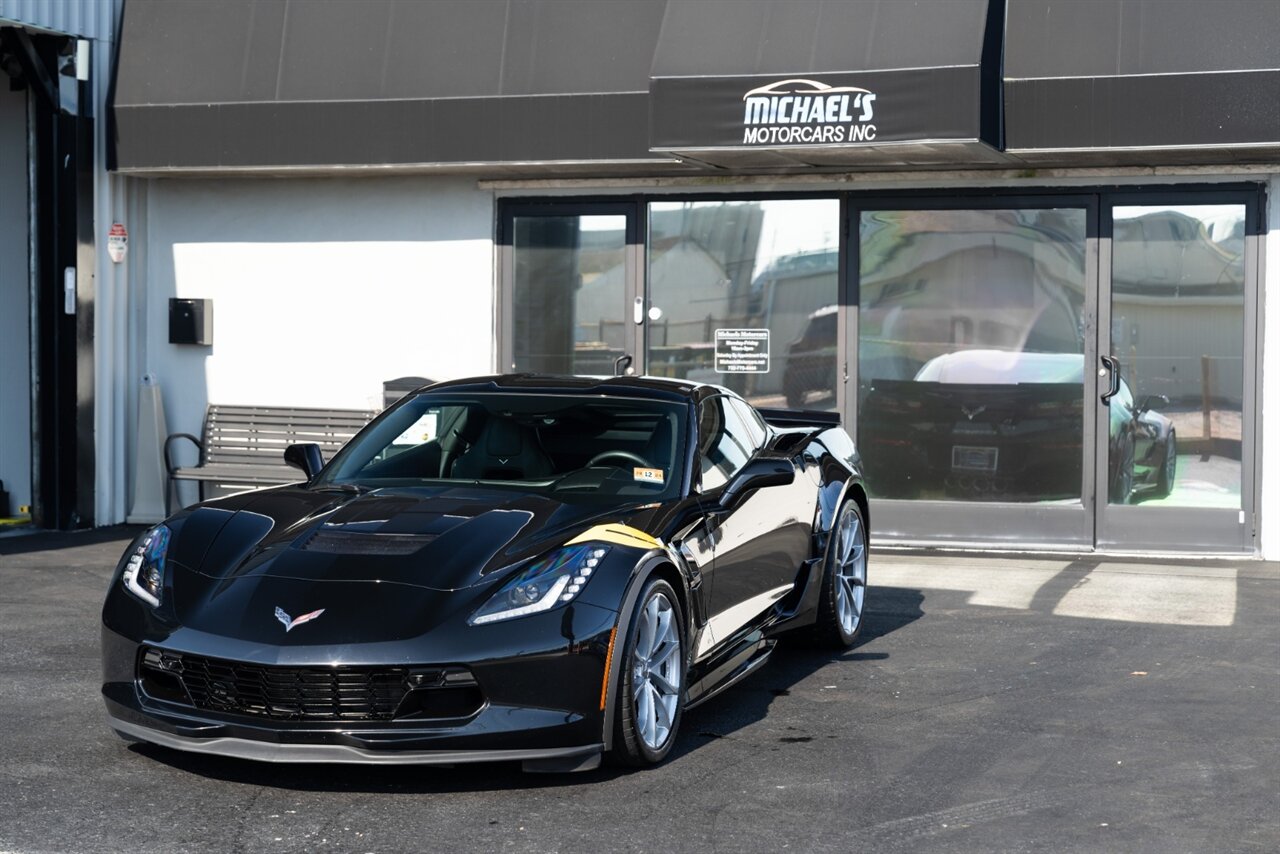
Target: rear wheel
1169	469
650	695
844	580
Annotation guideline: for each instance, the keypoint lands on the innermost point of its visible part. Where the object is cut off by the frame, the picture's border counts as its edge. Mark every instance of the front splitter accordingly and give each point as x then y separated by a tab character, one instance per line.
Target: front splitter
555	759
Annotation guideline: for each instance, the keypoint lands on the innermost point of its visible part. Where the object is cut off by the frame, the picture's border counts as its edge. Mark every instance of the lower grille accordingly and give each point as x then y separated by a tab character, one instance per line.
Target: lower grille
338	693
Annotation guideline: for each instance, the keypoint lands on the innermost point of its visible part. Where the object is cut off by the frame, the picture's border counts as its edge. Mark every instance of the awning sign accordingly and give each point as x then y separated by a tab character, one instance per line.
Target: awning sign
742	351
924	105
117	242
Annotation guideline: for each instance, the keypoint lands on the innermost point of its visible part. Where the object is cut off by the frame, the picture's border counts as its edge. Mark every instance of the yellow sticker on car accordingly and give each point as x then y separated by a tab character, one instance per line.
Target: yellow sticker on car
648	475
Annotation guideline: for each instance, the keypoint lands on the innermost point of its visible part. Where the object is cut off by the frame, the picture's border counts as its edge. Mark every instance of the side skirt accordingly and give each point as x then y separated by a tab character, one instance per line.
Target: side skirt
745	660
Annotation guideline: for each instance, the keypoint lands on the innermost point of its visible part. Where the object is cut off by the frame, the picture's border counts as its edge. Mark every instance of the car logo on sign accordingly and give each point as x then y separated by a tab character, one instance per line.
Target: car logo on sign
290	622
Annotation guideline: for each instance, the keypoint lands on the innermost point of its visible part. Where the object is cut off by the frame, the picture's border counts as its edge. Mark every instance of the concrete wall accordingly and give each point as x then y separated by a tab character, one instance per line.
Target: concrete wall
321	288
15	290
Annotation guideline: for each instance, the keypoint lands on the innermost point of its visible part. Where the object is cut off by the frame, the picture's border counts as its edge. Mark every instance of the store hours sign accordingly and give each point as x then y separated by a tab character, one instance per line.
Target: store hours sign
742	351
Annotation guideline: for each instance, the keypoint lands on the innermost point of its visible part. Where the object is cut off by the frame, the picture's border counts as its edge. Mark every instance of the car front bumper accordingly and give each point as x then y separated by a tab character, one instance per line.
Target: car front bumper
542	703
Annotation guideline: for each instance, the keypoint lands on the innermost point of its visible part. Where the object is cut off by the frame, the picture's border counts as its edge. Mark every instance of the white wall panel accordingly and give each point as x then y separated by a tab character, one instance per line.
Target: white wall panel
1269	367
322	288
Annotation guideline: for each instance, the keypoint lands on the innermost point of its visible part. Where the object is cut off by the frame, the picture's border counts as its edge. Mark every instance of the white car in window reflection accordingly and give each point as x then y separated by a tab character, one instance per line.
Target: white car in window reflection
1007	426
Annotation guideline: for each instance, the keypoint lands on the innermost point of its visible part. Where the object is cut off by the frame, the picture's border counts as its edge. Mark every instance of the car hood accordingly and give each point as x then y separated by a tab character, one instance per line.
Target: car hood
443	538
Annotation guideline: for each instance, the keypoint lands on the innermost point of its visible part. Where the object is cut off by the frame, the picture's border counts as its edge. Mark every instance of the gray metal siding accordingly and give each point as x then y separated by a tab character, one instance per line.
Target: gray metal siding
91	19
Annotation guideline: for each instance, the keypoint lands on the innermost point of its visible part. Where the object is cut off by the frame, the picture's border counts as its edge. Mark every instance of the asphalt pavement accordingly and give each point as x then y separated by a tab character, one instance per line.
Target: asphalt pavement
994	704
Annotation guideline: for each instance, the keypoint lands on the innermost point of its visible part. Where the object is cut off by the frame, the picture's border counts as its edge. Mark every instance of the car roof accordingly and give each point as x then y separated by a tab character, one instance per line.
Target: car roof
656	388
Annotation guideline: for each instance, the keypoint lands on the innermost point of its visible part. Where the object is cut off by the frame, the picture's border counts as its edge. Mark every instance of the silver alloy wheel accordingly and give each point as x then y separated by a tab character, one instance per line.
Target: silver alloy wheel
851	570
656	671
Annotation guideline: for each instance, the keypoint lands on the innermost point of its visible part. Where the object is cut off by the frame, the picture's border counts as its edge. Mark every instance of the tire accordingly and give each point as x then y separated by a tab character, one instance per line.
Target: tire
1122	484
1169	469
651	690
844	581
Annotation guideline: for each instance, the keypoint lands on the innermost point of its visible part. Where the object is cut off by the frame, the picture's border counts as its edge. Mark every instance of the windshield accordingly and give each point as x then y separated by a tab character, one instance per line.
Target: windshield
546	444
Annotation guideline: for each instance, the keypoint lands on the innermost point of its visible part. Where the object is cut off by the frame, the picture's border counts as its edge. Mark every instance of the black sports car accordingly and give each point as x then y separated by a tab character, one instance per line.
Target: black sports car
548	569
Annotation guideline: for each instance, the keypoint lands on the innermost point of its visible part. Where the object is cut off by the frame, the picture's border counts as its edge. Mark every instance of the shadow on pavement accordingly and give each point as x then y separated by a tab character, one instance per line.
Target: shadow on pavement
889	609
44	541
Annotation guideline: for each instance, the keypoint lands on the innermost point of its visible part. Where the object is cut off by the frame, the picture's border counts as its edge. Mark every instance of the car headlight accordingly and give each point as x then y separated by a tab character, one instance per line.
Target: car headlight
549	581
144	573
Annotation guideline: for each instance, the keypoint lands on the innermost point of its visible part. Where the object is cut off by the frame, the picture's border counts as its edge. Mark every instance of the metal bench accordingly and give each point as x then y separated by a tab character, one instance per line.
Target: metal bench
243	446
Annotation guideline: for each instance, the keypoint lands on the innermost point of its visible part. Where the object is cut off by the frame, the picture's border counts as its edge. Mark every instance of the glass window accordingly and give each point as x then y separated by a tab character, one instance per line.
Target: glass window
569	294
725	442
1177	330
971	354
747	265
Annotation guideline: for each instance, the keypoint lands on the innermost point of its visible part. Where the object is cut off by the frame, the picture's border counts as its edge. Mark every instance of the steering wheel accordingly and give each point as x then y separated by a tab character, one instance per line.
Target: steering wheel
621	455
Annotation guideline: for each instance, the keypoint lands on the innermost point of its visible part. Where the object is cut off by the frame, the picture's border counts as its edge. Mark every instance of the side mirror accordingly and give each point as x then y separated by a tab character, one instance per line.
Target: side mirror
306	457
764	470
1149	402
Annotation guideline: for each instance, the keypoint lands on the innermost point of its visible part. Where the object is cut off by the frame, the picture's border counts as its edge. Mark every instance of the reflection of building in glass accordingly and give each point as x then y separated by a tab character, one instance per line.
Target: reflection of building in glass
557	260
714	265
1178	302
935	282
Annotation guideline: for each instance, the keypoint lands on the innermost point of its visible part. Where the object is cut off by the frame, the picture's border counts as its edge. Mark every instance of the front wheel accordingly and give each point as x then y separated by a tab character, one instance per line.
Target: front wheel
650	696
844	580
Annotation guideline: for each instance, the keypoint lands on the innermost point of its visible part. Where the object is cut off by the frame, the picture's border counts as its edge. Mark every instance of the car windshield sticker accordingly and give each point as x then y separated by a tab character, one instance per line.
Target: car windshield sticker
422	431
648	475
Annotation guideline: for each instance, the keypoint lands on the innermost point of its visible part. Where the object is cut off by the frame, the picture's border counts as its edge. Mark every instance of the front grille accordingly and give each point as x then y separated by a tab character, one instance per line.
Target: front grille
339	693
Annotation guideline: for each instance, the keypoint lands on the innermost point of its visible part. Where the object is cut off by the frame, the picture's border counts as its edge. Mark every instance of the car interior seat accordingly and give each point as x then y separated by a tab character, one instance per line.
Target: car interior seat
504	450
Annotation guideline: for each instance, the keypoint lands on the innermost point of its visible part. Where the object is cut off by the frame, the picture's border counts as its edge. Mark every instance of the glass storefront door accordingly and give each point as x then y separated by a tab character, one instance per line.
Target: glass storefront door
973	341
1063	371
746	294
1068	373
1176	420
569	289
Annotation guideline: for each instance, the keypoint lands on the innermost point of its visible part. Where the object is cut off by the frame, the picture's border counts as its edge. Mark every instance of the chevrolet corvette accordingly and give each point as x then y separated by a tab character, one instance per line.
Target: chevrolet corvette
548	570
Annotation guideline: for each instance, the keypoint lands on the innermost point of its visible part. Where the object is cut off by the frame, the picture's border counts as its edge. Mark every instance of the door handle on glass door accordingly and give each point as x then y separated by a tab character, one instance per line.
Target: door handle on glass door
638	314
1111	367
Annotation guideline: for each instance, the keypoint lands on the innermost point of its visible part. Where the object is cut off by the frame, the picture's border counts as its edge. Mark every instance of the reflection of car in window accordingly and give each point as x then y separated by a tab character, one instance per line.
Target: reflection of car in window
811	358
1008	426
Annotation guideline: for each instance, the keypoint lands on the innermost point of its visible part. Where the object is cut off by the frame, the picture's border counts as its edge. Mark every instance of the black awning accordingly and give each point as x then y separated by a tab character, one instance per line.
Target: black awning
1169	80
261	84
786	83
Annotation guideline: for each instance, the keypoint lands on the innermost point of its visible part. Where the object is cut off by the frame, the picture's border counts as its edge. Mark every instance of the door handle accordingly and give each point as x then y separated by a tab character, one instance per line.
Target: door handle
637	313
622	365
1111	367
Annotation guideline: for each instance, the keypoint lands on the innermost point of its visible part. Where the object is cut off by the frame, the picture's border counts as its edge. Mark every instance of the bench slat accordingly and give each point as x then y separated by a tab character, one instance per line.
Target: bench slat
245	444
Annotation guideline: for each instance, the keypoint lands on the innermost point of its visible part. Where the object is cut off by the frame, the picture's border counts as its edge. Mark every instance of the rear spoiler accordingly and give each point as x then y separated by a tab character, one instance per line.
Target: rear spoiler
800	417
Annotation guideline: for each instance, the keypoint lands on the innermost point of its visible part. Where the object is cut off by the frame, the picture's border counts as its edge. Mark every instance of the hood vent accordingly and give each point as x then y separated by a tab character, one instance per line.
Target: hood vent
363	543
